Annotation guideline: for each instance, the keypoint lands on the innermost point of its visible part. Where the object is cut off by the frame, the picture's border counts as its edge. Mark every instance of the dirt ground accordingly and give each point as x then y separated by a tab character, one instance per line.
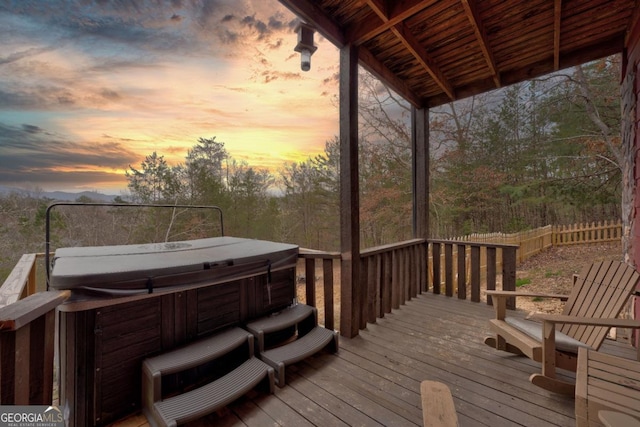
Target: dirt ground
551	271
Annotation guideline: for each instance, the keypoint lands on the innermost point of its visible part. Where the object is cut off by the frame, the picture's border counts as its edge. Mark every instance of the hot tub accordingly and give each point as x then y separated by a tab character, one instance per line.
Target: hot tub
130	269
130	302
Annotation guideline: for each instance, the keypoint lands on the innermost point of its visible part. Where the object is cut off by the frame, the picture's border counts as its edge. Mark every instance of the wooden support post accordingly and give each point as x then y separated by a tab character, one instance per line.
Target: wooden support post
420	186
420	167
349	193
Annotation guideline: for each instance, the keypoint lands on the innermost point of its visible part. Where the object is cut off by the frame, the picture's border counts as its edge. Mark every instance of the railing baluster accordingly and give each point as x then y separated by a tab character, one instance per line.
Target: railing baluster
310	281
386	291
395	280
448	269
475	273
462	271
424	269
406	273
435	256
364	292
327	273
373	284
491	271
509	273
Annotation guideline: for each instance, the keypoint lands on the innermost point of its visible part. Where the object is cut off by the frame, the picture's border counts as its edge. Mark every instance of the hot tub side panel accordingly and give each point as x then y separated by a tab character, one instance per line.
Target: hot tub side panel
102	349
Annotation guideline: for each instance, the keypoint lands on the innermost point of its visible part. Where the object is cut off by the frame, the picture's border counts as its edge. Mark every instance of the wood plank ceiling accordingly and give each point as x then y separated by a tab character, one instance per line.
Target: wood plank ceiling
436	51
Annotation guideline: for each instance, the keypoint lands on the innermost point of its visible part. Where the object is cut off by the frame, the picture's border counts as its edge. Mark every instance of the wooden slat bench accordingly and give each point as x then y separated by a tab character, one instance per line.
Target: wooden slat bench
210	397
606	385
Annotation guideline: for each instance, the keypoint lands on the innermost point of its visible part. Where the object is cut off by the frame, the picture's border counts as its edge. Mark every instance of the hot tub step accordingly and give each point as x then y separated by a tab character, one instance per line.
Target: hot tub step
197	353
269	330
231	380
303	347
211	397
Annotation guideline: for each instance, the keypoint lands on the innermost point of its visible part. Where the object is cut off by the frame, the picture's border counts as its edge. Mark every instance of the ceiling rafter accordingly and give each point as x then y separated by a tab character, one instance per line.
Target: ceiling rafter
557	20
471	10
433	51
398	12
406	37
382	72
411	43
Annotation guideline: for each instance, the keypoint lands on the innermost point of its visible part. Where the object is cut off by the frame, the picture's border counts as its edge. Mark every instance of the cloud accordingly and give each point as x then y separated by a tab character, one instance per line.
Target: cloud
31	128
16	56
29	153
91	86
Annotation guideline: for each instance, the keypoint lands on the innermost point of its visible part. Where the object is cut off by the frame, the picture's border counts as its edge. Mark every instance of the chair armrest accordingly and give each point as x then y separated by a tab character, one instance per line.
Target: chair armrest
572	320
507	294
500	299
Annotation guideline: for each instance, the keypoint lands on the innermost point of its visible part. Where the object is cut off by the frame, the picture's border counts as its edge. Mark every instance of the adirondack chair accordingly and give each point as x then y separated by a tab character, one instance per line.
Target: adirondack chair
599	294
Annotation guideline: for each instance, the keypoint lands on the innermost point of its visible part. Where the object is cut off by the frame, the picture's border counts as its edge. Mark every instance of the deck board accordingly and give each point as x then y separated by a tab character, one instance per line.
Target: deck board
375	378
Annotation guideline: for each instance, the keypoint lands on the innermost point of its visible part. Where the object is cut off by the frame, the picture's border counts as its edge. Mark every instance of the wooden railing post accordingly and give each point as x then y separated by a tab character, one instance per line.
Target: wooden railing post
27	328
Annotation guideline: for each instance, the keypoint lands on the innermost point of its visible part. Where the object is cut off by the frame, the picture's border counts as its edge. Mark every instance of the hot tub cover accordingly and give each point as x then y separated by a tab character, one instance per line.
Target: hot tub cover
141	268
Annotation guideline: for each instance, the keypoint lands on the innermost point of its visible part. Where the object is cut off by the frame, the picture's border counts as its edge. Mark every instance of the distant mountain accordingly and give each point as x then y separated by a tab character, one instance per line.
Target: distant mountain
63	196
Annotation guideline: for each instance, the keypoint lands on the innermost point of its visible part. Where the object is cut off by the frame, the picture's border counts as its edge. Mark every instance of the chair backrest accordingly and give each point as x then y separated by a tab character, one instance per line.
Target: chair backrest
600	291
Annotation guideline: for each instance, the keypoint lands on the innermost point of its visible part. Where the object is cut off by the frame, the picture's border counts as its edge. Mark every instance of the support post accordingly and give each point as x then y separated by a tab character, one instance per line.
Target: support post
349	193
420	183
420	175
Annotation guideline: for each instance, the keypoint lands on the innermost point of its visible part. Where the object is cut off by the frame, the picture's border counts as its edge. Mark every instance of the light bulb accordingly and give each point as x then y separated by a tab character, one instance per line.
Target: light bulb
305	59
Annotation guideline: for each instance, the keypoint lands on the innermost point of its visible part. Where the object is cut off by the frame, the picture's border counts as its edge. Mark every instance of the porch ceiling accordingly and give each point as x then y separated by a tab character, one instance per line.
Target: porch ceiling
436	51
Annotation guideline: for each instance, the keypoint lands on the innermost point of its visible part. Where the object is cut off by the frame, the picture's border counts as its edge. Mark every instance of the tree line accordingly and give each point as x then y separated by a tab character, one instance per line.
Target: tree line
541	152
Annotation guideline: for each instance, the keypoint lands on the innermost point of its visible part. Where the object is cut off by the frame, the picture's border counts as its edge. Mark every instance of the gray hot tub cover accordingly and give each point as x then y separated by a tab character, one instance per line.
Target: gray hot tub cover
126	269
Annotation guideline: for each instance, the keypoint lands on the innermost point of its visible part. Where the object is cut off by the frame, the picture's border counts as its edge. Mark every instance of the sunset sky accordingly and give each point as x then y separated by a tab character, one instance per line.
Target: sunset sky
88	88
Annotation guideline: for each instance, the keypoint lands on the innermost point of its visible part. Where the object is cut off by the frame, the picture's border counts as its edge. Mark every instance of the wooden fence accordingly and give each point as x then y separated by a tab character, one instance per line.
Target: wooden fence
531	242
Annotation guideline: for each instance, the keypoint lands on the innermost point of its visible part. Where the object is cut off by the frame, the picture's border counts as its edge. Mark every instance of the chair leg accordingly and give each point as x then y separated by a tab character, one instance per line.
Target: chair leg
553	384
493	342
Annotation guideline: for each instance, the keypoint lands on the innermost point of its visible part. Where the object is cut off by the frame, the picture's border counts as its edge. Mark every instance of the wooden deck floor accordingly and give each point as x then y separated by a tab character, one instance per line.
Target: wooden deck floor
375	378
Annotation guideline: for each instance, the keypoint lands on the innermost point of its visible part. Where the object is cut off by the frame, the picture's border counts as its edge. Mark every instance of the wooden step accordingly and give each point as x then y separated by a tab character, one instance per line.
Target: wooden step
288	318
212	396
305	346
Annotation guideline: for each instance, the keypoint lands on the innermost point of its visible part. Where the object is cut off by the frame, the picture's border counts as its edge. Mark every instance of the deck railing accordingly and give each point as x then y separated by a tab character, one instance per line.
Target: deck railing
326	262
27	331
393	274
